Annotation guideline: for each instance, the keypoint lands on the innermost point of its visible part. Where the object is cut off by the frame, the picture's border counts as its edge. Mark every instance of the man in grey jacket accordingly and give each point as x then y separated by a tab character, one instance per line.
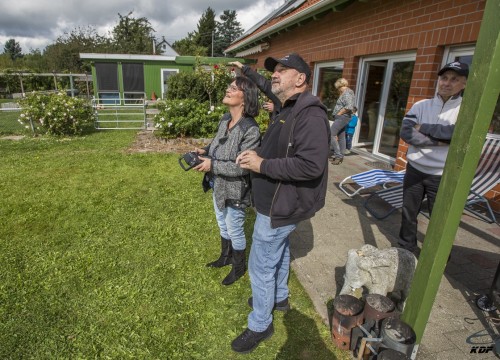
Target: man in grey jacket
428	128
289	179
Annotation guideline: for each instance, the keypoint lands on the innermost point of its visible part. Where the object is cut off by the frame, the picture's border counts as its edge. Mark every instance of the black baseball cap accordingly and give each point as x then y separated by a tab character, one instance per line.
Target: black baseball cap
456	66
292	60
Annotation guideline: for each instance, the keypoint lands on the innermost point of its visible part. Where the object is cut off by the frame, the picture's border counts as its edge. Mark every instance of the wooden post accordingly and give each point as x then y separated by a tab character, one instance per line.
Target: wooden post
22	87
481	94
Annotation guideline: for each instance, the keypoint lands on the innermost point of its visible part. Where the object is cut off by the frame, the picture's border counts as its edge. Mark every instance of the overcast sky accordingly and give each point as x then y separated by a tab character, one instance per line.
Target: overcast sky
35	24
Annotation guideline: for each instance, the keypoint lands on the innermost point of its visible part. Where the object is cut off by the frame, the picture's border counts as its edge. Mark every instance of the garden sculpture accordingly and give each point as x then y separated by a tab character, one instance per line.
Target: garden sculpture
380	271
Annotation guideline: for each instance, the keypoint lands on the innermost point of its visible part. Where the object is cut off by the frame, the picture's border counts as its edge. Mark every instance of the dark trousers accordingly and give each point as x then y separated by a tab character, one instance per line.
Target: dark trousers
348	141
416	185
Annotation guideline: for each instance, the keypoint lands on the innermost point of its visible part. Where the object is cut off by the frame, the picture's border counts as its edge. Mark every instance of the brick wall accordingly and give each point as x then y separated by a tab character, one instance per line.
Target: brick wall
386	26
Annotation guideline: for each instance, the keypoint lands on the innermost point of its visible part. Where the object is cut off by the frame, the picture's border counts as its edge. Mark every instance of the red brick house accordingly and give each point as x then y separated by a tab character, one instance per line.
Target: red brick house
389	50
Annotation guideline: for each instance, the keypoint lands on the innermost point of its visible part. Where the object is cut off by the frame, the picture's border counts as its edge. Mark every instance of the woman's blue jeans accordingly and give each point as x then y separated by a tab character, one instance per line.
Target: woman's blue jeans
231	223
268	266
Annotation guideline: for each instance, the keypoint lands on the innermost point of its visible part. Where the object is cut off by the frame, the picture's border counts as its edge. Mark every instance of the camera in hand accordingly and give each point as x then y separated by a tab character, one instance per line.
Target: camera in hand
189	160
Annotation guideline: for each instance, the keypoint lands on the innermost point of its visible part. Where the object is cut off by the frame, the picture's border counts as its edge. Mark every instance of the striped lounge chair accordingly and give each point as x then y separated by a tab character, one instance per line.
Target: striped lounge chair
486	177
371	178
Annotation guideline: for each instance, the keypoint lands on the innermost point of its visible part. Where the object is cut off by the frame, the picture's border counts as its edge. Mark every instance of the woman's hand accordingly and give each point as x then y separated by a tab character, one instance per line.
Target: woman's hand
205	166
200	151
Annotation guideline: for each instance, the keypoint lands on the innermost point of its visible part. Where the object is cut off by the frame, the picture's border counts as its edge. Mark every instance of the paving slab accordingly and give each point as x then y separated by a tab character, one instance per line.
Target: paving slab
319	249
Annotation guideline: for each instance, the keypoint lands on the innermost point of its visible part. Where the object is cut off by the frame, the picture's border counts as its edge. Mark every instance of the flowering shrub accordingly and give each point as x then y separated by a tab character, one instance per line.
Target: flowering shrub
187	118
193	108
55	114
190	118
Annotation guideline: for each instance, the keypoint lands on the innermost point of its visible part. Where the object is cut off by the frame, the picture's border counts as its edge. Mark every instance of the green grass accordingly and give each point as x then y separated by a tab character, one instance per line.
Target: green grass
8	121
103	255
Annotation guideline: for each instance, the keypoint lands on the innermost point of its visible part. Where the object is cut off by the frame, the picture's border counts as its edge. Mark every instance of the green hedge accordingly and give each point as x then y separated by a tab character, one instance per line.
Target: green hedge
194	103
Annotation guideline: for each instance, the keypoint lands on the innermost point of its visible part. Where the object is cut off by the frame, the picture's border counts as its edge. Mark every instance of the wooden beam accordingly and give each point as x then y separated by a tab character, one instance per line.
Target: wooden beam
481	95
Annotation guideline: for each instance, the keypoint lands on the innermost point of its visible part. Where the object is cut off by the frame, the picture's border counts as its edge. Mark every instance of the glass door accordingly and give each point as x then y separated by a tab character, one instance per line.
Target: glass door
383	86
371	89
394	100
325	75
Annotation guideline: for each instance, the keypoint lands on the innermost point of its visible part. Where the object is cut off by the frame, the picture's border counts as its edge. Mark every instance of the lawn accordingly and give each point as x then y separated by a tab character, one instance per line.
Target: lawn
8	120
103	255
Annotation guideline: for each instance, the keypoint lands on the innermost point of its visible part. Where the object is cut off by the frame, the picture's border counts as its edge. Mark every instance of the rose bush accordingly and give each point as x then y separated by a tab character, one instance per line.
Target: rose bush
55	114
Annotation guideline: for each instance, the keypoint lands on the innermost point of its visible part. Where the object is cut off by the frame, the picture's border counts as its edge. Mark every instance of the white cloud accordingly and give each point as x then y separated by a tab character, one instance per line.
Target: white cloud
35	24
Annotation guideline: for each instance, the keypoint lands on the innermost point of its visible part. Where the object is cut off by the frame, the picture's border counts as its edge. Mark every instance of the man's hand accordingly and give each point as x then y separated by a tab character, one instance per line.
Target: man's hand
249	159
268	106
236	63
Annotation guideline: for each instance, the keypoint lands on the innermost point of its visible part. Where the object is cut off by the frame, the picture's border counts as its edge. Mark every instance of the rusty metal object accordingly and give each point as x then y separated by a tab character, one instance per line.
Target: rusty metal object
378	307
347	314
397	335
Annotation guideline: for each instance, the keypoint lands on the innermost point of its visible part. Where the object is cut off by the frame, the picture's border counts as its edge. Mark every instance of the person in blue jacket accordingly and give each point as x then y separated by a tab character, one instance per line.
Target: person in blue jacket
349	130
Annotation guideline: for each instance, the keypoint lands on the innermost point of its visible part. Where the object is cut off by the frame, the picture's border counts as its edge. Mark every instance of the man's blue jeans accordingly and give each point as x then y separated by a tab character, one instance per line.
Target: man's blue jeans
231	223
268	266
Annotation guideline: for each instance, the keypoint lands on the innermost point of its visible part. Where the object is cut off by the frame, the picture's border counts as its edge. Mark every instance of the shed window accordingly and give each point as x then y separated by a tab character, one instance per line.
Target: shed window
133	77
107	76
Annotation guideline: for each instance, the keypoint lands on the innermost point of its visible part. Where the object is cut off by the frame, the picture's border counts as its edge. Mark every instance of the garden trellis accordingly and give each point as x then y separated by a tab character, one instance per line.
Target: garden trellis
72	78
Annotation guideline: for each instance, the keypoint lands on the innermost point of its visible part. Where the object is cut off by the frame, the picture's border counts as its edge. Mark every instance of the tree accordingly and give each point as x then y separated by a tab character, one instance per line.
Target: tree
206	29
189	46
228	30
64	54
133	36
13	48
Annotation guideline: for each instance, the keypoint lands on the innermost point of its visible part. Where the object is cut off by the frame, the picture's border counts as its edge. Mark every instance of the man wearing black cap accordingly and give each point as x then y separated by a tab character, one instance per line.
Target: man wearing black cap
289	179
428	128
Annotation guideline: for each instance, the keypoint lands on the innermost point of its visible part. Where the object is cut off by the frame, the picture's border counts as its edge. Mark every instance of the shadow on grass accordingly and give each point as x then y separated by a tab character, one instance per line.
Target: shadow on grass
303	339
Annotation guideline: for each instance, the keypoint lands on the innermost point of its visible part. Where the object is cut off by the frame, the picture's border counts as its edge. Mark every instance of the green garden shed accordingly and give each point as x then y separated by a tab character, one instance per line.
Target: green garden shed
131	76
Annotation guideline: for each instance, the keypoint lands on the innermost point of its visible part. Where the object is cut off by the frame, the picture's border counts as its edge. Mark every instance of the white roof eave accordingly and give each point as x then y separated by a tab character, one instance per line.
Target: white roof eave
281	24
96	56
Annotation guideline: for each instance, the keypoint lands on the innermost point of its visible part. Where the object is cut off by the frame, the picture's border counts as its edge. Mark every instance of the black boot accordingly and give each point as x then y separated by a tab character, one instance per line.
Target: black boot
225	254
238	269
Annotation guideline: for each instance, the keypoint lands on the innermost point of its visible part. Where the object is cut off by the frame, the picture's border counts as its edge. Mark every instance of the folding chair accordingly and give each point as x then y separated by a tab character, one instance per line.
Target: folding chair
391	200
372	178
487	175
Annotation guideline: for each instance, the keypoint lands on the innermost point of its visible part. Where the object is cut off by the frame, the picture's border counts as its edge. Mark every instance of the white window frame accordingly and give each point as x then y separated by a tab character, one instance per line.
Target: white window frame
162	78
318	67
390	58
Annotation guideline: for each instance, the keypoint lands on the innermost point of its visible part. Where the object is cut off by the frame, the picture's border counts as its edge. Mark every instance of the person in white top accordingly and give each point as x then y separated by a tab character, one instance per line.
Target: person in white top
428	128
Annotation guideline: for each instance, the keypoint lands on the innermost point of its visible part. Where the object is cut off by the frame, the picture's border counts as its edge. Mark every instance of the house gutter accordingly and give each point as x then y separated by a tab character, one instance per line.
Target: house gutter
306	13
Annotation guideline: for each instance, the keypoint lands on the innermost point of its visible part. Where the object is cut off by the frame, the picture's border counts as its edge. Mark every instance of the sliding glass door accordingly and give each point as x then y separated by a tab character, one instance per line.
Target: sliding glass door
383	86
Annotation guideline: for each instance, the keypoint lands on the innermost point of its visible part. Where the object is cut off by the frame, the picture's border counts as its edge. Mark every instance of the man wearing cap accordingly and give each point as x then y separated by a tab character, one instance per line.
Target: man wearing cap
427	128
289	180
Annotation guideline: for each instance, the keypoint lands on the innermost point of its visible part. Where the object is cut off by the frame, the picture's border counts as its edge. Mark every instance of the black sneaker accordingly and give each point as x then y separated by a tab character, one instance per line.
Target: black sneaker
248	339
282	305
